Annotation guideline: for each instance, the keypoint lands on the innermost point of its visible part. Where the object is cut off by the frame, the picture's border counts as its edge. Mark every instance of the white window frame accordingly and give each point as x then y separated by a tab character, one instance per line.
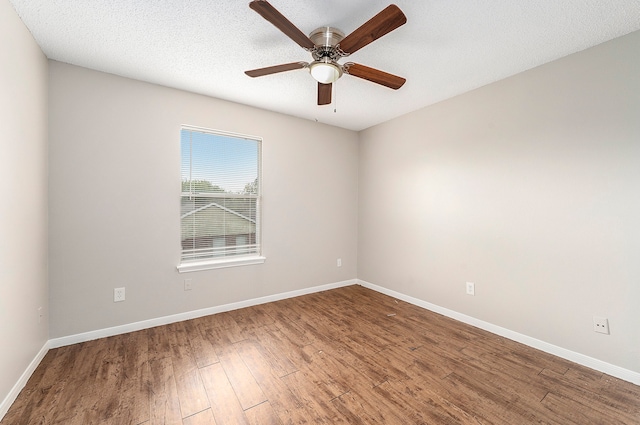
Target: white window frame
234	260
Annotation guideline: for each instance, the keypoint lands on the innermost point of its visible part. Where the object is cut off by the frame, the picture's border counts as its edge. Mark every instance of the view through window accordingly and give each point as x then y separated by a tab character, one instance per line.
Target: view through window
220	200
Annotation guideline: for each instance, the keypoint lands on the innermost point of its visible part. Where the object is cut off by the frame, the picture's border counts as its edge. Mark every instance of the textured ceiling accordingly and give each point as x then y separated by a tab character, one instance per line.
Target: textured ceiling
447	47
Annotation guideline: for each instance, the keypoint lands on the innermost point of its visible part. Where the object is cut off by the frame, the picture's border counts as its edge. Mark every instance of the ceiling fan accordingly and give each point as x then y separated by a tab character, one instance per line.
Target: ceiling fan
327	45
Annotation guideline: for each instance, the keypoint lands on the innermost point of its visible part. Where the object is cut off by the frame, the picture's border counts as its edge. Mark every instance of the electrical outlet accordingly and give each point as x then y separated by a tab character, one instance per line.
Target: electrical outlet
118	295
471	288
339	262
601	325
188	285
40	314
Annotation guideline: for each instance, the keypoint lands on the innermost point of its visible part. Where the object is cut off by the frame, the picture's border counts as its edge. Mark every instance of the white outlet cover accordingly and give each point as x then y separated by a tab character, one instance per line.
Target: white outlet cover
601	325
471	288
118	295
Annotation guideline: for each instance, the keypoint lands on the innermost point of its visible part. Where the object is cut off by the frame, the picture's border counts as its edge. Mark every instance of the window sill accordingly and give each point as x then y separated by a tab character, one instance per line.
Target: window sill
197	266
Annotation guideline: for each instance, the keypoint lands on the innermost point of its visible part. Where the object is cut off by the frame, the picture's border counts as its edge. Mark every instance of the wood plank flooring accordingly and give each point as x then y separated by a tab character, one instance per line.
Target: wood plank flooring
345	356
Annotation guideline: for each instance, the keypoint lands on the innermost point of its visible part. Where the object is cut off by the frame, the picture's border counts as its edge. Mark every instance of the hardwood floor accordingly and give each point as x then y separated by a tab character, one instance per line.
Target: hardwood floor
345	356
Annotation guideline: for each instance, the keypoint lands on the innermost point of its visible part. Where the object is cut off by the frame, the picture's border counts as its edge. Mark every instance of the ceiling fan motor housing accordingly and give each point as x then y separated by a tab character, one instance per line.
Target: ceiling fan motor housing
325	68
326	39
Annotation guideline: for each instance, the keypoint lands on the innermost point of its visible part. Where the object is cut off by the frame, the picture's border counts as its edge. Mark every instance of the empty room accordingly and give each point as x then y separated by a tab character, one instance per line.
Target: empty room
294	212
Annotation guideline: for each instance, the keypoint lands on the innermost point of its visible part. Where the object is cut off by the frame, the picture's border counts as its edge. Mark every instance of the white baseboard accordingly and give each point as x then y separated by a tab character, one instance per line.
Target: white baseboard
13	394
146	324
590	362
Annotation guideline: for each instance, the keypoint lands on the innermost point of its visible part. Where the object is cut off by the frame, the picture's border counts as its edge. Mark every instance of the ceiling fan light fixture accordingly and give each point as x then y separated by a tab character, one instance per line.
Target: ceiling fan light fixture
325	71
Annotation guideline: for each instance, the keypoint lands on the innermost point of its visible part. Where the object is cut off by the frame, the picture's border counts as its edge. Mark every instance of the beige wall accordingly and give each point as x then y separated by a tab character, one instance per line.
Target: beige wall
23	198
115	206
530	188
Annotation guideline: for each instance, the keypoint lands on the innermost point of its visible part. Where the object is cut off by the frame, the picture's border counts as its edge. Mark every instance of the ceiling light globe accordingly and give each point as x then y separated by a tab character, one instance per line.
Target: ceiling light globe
325	72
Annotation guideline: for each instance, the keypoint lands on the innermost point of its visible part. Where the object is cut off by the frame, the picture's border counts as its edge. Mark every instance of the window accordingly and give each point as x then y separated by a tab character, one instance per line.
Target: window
220	200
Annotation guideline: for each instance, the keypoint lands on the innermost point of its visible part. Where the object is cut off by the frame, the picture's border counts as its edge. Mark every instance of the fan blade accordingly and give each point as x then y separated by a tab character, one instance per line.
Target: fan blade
324	94
374	75
270	13
275	69
381	24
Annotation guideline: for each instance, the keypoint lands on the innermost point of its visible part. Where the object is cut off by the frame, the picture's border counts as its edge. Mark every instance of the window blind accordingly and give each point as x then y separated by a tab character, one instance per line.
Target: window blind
220	201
